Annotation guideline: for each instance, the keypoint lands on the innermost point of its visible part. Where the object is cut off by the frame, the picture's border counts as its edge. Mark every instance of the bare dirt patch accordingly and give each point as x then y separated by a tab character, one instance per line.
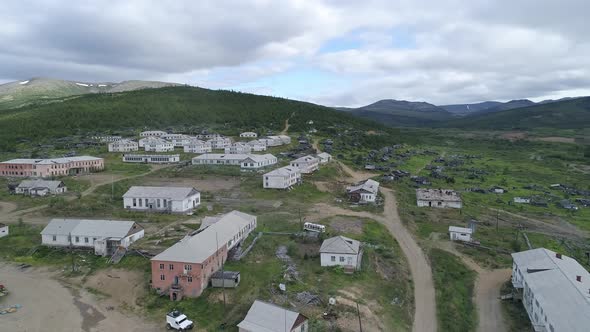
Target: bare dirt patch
368	308
123	287
7	207
218	183
347	225
556	139
514	135
51	305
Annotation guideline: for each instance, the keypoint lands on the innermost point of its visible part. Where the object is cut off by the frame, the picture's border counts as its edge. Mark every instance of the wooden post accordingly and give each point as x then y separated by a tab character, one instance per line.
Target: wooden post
358	311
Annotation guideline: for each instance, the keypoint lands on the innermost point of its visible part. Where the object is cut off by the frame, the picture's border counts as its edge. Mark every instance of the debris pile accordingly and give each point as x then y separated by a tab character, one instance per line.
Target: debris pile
291	272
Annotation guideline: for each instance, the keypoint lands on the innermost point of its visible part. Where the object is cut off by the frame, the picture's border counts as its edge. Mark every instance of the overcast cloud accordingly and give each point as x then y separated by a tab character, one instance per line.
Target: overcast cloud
334	52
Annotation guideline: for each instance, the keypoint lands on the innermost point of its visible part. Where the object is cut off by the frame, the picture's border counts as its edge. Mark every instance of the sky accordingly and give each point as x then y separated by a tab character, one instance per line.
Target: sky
331	52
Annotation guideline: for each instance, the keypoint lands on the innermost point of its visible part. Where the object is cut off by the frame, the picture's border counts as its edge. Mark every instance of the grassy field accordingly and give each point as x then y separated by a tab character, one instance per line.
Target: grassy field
454	284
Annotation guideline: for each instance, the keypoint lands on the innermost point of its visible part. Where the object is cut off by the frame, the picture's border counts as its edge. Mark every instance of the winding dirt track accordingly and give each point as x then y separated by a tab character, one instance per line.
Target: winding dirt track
424	294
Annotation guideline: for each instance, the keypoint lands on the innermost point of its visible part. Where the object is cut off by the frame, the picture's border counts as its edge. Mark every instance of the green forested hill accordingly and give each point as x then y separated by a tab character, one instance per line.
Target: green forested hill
161	108
568	114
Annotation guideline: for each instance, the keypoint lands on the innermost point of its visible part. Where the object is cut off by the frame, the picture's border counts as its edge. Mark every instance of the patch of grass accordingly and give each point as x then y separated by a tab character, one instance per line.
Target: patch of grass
454	284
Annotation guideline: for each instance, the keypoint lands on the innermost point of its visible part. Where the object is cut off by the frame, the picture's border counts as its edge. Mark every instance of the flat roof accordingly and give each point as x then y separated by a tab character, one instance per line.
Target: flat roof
88	227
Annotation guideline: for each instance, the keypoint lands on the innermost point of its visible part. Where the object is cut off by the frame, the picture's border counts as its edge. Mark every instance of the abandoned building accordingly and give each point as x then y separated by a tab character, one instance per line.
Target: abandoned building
281	178
104	236
460	233
51	167
307	164
40	188
363	192
151	158
225	279
341	251
440	198
184	269
553	289
269	317
162	199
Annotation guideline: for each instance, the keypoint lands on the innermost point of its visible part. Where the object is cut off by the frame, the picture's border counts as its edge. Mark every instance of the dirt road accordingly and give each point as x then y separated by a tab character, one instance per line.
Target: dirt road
487	291
49	305
424	295
286	129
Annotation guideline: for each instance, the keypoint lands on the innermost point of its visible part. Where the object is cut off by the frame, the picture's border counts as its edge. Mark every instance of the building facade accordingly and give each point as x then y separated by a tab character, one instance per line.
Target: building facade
363	192
220	142
50	167
151	158
307	164
185	269
281	178
198	146
40	188
324	157
162	199
245	161
460	233
104	236
158	145
554	290
440	198
238	148
249	134
341	251
123	145
152	133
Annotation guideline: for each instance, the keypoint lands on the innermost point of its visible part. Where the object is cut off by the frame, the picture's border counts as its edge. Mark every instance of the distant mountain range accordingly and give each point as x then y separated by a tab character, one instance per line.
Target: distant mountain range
43	90
402	113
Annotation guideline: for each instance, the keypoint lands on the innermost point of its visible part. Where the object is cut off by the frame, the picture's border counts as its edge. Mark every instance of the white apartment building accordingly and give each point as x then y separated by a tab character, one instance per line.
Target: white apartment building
152	133
249	134
151	158
124	145
220	142
281	178
197	146
245	161
307	164
257	145
238	148
162	199
554	289
157	145
180	140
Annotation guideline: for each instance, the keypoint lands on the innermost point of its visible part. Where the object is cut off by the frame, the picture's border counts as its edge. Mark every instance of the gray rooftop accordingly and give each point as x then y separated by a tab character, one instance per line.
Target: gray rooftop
446	195
553	282
340	245
172	193
283	171
199	247
51	185
50	161
369	185
267	317
86	227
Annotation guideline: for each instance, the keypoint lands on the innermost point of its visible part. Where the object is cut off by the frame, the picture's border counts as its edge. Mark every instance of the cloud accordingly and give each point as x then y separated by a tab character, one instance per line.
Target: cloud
443	51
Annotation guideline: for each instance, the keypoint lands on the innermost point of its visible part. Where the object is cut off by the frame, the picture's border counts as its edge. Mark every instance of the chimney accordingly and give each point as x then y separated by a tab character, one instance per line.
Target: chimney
558	255
579	278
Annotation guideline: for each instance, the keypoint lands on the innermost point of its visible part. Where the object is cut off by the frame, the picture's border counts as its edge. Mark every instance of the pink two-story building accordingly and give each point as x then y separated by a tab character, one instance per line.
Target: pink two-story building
42	168
186	268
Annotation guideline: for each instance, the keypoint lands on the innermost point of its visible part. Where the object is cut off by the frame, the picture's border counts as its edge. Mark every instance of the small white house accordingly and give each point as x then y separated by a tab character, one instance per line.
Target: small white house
3	230
460	233
197	146
307	164
281	178
249	134
363	192
152	133
522	200
341	251
40	188
324	157
268	317
440	198
238	148
220	142
105	236
151	158
162	199
157	145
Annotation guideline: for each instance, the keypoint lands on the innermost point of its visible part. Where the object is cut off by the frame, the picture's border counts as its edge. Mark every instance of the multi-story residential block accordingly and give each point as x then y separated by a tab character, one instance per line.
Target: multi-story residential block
156	144
554	290
151	158
152	133
282	178
197	146
184	270
307	164
220	142
123	145
50	167
238	148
